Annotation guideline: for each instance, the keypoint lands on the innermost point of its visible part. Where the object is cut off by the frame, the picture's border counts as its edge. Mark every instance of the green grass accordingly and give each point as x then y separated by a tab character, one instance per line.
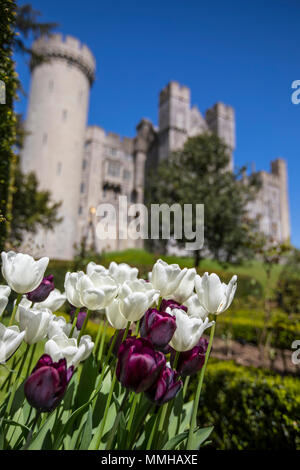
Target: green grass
253	268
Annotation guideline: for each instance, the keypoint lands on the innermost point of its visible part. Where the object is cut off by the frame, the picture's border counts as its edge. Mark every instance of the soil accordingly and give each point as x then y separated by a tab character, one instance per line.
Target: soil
249	355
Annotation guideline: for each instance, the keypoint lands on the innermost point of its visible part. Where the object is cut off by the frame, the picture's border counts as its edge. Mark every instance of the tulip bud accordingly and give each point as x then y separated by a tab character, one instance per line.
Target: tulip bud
42	291
80	317
166	387
139	365
158	327
119	334
171	304
191	362
46	386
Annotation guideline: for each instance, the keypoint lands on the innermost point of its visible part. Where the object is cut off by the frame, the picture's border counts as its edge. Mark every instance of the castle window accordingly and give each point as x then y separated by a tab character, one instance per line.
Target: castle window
80	210
64	114
112	151
51	85
82	188
59	167
126	175
114	168
45	138
84	164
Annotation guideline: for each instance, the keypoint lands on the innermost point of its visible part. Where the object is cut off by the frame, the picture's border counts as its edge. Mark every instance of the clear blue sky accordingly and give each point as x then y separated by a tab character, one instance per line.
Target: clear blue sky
244	53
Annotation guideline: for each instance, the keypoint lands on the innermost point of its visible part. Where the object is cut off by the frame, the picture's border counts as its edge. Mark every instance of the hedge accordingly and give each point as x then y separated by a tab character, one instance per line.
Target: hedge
249	408
247	325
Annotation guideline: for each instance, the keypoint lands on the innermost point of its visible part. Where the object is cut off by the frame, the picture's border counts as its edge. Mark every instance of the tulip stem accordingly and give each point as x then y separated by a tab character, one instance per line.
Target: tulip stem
28	439
12	318
103	421
139	424
101	348
176	360
33	348
193	422
185	386
161	417
117	420
16	382
74	322
137	327
132	411
88	314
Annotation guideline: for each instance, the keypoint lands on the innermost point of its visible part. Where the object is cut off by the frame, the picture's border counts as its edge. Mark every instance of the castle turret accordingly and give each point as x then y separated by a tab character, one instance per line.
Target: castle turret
56	124
279	169
220	119
174	110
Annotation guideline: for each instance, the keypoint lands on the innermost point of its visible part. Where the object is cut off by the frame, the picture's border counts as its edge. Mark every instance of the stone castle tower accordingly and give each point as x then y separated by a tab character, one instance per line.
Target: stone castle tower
56	126
86	166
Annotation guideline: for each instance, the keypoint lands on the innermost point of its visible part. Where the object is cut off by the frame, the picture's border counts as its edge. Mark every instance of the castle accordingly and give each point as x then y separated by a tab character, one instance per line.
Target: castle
84	166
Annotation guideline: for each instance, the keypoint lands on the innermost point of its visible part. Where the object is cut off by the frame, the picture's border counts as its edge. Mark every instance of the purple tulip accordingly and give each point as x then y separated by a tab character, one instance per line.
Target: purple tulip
158	327
119	334
42	291
190	362
172	304
46	385
139	365
166	387
80	317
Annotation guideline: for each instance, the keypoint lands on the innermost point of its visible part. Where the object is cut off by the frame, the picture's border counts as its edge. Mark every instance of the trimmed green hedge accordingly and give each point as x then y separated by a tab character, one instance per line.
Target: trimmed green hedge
247	325
249	409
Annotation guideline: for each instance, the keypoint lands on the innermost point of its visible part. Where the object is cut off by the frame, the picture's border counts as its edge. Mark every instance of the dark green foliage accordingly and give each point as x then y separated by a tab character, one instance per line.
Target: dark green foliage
247	325
7	117
249	408
288	286
31	207
199	173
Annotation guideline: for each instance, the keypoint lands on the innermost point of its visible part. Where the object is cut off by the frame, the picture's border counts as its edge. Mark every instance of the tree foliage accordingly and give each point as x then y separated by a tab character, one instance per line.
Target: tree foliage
200	173
9	80
17	24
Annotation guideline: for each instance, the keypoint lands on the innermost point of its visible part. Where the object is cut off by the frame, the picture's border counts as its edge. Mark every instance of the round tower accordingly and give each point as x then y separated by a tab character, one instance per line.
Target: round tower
56	124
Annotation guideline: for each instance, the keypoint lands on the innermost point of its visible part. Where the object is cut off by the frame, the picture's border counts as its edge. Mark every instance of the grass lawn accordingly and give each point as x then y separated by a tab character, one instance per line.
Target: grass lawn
253	268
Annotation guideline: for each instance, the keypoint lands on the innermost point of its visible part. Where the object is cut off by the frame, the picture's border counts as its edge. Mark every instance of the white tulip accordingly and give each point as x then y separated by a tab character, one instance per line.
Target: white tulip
10	340
71	288
21	272
114	316
60	346
135	297
4	294
188	329
58	326
194	308
215	296
97	290
35	323
91	267
54	301
166	277
23	303
185	288
122	272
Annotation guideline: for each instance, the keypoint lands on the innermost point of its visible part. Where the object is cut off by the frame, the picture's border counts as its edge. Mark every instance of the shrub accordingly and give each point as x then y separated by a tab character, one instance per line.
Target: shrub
249	408
248	325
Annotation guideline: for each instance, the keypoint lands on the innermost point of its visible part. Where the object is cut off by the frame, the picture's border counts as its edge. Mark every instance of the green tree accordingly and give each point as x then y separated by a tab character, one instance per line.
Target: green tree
9	84
17	23
199	173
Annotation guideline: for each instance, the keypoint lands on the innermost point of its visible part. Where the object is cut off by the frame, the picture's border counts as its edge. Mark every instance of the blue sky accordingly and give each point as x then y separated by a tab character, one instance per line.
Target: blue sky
244	53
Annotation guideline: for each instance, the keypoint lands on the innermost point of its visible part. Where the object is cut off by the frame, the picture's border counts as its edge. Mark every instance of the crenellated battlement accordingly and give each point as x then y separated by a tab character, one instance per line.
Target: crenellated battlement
68	48
174	90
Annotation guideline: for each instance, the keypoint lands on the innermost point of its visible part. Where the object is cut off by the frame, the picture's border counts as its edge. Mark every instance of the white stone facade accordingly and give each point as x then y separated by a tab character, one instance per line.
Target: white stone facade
85	166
